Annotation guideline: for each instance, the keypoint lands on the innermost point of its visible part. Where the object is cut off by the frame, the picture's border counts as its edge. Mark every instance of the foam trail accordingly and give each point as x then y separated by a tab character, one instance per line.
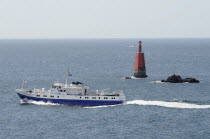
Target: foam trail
132	77
155	82
163	82
104	106
38	102
180	105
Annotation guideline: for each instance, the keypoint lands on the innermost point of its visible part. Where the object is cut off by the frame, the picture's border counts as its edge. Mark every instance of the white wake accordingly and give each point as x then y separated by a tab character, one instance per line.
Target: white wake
155	82
103	106
180	105
38	102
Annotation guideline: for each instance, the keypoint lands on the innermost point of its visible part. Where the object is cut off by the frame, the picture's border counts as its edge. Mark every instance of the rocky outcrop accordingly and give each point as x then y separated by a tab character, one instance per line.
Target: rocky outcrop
127	77
178	79
191	80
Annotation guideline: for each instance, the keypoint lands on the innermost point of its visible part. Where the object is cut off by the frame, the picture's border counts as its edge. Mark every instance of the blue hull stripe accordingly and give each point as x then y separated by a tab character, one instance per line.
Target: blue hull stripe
73	101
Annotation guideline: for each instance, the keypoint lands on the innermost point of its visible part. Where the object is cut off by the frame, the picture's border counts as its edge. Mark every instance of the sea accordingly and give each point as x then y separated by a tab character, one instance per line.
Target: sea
152	110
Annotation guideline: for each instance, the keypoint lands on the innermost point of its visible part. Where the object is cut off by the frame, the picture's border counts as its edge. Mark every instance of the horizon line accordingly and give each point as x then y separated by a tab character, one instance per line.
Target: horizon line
105	38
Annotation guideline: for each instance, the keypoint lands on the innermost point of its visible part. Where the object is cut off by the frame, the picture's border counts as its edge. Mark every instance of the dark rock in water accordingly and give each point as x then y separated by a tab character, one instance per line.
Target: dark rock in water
127	77
190	80
178	79
174	79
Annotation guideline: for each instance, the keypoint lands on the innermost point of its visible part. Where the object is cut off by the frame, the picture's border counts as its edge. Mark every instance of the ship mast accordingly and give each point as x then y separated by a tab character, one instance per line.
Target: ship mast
67	75
23	84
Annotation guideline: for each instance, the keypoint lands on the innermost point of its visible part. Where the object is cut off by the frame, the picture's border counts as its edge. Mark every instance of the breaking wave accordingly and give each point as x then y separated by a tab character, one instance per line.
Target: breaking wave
163	82
131	77
181	105
155	82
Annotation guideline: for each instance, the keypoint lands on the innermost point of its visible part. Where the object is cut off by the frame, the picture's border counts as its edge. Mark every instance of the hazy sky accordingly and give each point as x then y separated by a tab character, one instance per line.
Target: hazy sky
104	18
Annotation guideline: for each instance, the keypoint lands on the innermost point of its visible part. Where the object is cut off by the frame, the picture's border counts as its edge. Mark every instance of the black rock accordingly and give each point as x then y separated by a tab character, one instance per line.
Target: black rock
178	79
174	79
190	80
127	77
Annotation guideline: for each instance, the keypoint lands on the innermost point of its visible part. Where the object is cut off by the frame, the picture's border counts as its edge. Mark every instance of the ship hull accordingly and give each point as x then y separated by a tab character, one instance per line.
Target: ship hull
73	102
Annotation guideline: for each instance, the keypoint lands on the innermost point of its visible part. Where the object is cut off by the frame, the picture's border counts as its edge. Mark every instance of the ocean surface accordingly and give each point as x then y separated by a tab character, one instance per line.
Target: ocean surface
152	109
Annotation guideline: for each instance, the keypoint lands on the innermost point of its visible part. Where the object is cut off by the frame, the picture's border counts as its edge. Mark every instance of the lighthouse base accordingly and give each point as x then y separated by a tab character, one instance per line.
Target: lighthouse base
140	74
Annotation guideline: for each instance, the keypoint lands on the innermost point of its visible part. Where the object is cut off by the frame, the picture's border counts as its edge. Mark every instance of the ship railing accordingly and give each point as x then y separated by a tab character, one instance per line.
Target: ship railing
20	90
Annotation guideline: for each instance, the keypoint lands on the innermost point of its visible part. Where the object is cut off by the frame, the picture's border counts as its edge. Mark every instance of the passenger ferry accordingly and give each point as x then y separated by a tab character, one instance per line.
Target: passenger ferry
74	93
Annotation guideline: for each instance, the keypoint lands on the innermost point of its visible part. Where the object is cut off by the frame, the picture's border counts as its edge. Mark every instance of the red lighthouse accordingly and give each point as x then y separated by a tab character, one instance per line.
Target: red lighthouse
140	68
